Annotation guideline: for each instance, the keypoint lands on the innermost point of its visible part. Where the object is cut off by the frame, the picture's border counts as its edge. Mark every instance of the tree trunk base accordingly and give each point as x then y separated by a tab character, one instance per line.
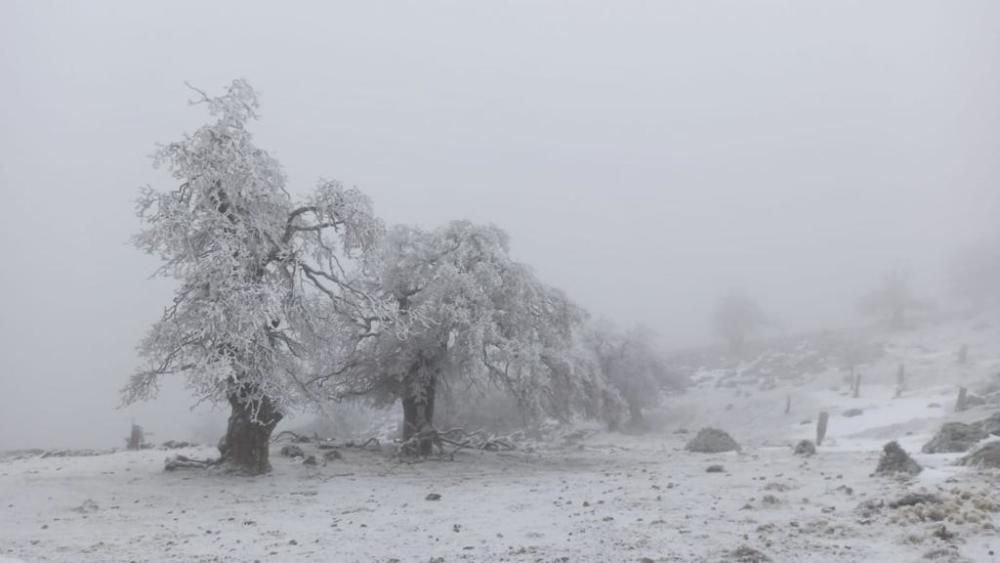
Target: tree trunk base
418	415
246	445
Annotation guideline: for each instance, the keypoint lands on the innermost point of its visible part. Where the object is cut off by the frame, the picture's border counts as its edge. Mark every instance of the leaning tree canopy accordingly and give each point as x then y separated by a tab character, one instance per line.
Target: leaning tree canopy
477	315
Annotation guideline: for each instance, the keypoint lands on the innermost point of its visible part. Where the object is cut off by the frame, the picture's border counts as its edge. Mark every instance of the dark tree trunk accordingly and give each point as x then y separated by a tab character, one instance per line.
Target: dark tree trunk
418	415
245	447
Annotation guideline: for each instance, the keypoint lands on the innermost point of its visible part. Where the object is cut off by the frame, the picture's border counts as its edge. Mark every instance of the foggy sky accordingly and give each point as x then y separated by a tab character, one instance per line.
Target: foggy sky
646	157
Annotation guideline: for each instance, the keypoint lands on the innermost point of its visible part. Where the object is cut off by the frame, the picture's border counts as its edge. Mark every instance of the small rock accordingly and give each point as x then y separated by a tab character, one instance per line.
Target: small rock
715	469
895	460
291	450
433	496
805	447
943	534
850	413
87	507
746	554
311	460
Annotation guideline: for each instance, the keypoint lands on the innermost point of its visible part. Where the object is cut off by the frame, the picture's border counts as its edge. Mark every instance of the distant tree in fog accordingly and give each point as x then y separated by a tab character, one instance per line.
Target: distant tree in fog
253	266
891	302
632	366
476	316
735	318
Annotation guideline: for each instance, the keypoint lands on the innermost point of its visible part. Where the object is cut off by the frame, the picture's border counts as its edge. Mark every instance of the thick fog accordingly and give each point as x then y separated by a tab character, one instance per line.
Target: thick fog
644	157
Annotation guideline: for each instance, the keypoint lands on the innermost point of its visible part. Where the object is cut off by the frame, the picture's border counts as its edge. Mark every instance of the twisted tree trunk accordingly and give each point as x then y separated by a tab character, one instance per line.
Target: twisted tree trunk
245	447
418	414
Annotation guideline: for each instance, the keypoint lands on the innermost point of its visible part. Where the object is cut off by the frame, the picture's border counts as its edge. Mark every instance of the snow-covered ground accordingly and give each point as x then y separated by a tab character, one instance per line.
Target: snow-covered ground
606	497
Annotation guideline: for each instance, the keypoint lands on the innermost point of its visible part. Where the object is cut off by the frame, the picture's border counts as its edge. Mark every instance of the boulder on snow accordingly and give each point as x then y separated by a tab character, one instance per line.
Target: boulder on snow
805	447
986	456
973	401
990	425
291	450
849	413
712	441
895	460
954	437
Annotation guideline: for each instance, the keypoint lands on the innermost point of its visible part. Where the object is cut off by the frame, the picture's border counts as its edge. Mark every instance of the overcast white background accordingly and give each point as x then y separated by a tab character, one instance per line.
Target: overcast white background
644	156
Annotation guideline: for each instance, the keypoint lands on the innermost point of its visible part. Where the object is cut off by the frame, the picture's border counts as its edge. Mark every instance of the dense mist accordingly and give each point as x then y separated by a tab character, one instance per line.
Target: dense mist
646	158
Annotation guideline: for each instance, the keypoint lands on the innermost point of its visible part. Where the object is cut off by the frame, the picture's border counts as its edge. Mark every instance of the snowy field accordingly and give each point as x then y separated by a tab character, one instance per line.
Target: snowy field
605	497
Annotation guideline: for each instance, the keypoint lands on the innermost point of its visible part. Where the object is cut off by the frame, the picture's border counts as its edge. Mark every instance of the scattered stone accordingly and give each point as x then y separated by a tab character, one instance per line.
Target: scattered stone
869	508
913	499
933	406
291	450
954	437
850	413
87	507
943	534
805	447
847	490
331	455
747	554
715	469
941	553
986	456
711	441
433	496
895	460
175	445
311	460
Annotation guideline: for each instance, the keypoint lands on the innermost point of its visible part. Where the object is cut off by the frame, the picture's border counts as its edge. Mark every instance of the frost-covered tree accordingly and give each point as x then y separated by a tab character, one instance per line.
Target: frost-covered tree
891	302
476	316
257	272
631	365
736	317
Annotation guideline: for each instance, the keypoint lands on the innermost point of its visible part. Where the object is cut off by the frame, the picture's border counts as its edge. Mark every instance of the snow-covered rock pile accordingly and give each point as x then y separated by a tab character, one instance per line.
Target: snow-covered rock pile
955	437
711	441
986	456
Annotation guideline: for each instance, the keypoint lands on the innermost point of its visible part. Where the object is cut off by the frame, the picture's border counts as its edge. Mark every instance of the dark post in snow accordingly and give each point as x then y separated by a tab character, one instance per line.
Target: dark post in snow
788	403
900	381
821	427
857	385
135	438
960	403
